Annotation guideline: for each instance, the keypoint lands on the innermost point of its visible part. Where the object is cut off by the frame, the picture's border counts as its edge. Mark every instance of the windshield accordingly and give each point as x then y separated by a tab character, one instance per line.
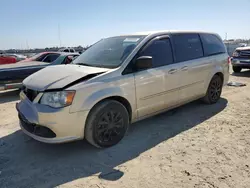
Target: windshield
110	52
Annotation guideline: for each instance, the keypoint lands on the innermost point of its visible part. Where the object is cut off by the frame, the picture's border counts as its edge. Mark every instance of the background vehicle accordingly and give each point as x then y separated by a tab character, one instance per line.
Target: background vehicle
72	50
43	57
120	80
241	59
7	59
11	76
19	57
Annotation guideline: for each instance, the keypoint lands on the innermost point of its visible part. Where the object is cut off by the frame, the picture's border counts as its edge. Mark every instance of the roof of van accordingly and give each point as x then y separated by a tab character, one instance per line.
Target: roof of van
168	31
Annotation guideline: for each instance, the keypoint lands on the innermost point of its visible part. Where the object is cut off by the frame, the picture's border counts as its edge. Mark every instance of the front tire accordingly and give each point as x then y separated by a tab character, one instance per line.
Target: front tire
106	124
214	90
237	69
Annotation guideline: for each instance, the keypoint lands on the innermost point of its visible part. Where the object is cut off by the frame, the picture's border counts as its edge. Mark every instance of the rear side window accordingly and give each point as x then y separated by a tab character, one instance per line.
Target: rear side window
161	52
187	47
212	44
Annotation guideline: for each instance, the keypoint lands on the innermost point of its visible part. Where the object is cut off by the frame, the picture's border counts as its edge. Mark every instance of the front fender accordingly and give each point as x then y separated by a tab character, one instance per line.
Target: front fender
100	95
87	102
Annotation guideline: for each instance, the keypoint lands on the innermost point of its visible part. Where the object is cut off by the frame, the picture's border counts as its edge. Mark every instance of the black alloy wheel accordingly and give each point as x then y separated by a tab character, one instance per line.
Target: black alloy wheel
109	127
107	124
214	90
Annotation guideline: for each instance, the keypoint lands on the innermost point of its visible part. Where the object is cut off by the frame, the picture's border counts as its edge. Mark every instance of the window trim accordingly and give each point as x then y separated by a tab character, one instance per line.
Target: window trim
149	42
203	51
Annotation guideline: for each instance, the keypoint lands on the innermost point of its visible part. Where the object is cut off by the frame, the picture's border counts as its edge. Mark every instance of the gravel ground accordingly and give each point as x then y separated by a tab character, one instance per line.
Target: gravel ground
192	146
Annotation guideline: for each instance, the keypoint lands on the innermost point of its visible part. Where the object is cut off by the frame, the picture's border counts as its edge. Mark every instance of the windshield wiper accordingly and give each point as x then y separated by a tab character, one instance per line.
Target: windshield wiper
84	64
93	65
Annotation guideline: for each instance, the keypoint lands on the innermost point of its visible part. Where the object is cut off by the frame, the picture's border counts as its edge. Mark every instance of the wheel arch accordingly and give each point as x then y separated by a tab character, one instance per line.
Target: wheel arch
220	74
207	82
207	98
119	99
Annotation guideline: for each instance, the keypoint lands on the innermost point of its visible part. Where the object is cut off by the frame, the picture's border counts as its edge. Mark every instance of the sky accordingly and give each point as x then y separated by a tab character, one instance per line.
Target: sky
47	23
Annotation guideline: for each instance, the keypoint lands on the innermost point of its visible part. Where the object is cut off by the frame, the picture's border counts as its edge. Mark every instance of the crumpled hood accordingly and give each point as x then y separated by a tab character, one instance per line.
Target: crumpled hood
59	76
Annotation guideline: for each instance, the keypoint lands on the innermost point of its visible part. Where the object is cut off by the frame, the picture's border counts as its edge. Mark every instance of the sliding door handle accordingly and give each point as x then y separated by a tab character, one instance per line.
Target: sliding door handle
185	68
172	71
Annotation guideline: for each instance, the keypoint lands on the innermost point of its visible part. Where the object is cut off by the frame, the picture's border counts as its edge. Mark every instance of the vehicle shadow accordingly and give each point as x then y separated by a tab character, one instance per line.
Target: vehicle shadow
28	163
9	96
242	74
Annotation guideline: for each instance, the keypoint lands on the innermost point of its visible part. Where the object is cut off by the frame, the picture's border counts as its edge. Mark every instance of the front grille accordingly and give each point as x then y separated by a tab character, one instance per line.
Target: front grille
245	53
31	94
36	129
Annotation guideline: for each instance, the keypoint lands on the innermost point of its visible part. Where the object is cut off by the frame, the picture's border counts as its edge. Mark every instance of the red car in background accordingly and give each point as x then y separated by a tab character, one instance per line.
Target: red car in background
7	59
43	57
47	57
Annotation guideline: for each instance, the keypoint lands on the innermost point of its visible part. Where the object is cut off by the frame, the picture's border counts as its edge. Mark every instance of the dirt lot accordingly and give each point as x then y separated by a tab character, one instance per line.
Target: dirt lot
193	146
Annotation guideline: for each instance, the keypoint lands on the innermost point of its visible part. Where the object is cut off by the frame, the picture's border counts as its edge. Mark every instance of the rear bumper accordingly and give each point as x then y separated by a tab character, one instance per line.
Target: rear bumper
240	62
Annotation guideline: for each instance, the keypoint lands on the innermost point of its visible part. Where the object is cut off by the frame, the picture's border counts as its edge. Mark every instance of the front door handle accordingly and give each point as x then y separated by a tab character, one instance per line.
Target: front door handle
172	71
185	68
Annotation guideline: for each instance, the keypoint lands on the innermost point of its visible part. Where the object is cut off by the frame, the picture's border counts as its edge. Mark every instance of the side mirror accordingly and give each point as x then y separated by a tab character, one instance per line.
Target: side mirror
143	62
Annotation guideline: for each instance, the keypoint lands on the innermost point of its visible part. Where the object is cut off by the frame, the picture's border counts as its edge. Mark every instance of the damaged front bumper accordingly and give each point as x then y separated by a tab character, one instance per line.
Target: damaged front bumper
50	125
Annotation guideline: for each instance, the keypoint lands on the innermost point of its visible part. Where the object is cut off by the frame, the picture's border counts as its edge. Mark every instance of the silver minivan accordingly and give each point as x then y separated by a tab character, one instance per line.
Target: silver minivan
120	80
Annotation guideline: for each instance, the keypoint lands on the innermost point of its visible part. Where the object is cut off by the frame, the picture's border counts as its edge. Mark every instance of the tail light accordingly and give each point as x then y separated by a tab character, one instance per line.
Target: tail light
229	60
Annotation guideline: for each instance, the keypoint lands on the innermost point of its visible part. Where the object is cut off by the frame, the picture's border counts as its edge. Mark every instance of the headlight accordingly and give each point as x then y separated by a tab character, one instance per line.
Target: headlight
58	99
236	54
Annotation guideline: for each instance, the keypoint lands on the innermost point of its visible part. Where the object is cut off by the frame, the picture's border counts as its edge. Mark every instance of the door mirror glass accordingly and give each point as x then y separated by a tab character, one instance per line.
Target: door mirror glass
143	62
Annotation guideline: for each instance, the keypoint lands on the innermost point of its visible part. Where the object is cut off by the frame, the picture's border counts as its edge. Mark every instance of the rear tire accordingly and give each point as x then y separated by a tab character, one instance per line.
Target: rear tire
214	90
237	69
106	124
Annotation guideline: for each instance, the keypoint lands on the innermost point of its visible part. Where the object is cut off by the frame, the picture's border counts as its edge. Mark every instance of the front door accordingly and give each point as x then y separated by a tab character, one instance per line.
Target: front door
157	87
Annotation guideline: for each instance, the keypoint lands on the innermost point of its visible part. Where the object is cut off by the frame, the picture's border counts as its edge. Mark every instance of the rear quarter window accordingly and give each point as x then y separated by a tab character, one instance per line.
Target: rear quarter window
212	45
187	46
